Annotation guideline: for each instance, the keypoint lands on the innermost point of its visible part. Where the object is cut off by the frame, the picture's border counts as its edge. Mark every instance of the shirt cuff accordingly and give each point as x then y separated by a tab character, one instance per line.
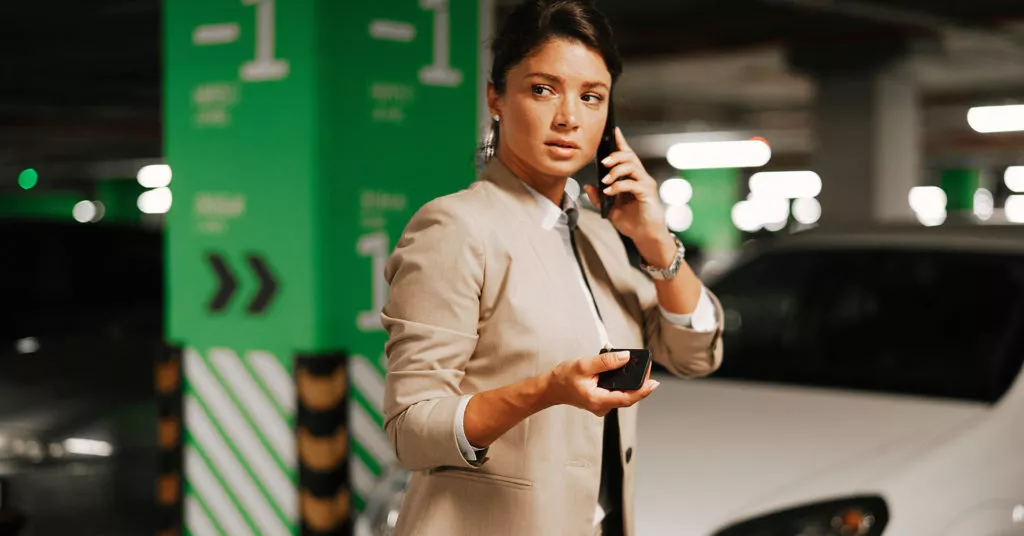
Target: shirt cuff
472	454
702	318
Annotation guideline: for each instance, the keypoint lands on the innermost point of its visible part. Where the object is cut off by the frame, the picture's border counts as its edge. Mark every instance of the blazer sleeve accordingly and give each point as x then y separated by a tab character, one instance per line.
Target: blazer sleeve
682	350
435	275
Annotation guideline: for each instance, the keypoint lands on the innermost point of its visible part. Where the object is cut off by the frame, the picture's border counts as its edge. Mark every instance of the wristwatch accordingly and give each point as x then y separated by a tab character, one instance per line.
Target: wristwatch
664	274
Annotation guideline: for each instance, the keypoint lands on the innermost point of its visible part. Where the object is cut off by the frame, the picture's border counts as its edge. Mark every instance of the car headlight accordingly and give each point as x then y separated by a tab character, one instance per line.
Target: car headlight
855	516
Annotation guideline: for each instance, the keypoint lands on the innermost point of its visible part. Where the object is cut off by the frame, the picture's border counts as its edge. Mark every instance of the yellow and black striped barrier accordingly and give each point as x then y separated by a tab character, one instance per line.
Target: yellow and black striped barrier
322	434
169	438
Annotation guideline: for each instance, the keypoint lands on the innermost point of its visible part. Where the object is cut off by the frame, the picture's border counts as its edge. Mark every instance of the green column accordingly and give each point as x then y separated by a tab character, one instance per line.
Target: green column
960	184
302	136
715	191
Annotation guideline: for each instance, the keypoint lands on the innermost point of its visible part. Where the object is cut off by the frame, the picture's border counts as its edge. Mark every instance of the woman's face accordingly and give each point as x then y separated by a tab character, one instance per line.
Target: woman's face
553	110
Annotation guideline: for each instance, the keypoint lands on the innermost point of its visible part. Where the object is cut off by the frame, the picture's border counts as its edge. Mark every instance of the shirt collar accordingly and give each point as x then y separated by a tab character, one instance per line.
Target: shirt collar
551	214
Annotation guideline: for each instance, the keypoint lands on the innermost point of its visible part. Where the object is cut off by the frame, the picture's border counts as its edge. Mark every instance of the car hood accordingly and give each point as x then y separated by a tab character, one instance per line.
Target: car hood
711	452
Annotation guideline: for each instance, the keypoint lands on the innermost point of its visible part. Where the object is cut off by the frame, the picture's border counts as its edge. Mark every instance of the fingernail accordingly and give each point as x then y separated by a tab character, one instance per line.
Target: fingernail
623	356
608	191
606	160
655	384
606	179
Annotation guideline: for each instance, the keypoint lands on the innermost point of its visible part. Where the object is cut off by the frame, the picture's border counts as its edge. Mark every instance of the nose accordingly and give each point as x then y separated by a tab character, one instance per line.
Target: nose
567	115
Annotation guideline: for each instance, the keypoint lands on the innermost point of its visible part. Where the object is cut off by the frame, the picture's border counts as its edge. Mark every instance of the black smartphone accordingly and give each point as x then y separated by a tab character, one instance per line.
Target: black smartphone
628	377
607	146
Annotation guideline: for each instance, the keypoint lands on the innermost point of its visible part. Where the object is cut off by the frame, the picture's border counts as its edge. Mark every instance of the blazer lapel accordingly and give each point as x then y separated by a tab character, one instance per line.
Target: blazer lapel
609	300
565	298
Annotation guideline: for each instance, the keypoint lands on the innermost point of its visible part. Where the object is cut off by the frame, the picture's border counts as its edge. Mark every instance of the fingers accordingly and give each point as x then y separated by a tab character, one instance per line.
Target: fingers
621	140
603	362
643	392
618	157
607	400
632	187
621	171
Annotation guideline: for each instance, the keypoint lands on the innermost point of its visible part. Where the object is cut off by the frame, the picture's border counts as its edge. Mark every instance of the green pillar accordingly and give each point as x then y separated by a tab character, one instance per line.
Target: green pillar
960	184
715	191
302	136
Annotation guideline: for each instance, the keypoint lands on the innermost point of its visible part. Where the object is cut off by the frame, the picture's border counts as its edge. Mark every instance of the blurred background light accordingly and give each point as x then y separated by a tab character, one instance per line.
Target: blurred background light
785	184
84	211
27	345
932	219
676	191
157	201
807	210
745	218
773	211
719	154
1013	177
155	176
679	217
986	119
1015	208
761	212
28	179
88	447
928	204
984	204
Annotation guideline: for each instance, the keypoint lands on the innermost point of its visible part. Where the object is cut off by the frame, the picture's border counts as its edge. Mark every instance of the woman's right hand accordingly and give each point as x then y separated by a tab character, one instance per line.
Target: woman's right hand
575	383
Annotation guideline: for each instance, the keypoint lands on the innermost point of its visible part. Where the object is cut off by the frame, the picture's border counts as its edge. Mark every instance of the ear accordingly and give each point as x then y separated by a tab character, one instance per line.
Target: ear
493	100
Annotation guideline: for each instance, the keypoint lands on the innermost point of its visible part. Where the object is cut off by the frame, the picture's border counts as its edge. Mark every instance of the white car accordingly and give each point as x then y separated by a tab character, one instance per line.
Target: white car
871	385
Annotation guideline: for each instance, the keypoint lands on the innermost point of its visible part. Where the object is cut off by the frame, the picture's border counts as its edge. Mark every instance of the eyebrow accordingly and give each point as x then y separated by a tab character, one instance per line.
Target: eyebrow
559	80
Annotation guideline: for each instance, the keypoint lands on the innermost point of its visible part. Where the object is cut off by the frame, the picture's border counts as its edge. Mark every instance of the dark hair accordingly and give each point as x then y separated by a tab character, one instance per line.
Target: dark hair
534	22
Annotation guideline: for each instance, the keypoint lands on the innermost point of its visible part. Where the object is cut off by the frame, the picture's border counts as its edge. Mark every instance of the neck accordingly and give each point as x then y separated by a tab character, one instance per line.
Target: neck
551	187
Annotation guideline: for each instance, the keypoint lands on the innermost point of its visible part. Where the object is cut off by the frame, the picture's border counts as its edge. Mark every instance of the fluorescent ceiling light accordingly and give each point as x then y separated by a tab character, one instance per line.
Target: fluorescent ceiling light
785	184
987	119
720	154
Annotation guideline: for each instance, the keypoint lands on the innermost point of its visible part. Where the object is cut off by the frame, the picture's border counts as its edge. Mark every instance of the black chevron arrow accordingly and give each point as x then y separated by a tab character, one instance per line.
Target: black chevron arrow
226	283
268	285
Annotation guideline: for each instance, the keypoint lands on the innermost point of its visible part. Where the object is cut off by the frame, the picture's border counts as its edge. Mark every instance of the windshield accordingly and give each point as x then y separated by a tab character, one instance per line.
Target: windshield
943	324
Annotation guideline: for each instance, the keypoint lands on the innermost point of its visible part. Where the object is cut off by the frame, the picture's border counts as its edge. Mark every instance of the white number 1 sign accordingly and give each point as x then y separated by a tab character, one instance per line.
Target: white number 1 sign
440	73
265	67
376	247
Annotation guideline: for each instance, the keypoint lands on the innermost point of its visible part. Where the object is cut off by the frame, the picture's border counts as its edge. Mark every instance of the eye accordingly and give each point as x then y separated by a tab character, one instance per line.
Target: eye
592	98
539	90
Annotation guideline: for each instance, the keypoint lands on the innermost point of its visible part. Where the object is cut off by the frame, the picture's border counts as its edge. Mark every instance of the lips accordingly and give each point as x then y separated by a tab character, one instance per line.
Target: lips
563	144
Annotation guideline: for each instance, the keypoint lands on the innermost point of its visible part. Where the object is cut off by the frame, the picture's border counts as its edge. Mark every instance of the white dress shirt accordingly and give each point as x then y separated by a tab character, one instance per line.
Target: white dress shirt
551	217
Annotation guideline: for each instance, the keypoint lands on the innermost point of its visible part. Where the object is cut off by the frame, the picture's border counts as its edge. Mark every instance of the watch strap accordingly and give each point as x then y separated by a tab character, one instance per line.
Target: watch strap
672	269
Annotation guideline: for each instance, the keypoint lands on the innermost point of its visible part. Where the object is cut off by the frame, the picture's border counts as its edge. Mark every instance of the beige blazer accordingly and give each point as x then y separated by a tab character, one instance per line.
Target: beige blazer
482	297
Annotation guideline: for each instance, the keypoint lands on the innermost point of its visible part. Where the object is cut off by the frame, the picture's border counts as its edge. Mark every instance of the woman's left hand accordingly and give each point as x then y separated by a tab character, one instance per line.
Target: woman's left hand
637	212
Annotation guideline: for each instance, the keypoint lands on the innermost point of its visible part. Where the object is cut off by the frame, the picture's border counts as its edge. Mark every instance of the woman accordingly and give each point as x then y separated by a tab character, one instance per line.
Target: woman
495	330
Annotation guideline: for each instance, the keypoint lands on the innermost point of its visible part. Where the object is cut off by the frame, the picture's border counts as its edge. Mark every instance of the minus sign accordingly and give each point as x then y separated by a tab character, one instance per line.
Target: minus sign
389	30
215	34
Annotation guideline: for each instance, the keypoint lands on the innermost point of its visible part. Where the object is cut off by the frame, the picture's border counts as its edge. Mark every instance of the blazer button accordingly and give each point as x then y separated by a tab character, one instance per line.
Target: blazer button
629	454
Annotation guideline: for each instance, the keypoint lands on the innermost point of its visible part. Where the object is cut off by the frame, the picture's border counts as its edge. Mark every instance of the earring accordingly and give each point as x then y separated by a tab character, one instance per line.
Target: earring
490	141
496	118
